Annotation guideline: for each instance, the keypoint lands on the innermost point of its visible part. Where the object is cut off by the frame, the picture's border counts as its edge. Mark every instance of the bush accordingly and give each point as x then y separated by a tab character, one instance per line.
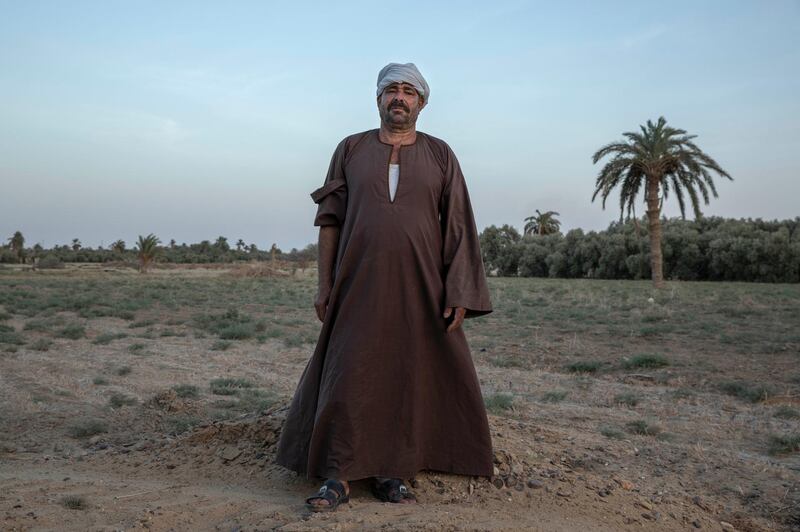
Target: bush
86	428
646	362
50	262
784	444
229	386
498	403
186	391
754	393
73	332
588	366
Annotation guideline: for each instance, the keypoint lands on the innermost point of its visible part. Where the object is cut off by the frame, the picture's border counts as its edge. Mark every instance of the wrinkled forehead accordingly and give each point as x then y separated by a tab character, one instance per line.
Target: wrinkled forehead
402	85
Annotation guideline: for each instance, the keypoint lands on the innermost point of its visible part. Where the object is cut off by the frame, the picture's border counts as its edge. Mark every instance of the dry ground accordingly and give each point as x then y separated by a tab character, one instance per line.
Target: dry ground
154	402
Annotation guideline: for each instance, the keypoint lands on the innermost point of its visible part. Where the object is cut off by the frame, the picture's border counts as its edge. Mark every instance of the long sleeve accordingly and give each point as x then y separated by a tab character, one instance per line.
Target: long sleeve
331	197
465	278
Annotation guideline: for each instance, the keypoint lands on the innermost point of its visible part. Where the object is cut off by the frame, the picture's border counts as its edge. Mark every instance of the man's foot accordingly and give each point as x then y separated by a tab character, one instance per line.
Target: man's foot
330	495
392	490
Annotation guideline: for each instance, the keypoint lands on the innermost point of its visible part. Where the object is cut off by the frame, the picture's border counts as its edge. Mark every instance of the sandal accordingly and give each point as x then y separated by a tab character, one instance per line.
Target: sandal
332	491
392	490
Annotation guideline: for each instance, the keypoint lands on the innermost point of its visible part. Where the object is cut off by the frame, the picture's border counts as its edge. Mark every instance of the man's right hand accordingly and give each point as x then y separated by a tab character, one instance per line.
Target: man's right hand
321	303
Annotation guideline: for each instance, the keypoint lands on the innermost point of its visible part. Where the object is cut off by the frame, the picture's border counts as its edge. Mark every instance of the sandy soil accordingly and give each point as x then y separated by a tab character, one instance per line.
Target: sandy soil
553	470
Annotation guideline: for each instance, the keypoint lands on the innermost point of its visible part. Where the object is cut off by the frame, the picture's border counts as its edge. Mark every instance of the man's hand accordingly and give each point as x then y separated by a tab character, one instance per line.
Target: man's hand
457	320
321	303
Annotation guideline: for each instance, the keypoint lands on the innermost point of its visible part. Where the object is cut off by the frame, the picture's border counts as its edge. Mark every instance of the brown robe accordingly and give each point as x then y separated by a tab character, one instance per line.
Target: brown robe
388	392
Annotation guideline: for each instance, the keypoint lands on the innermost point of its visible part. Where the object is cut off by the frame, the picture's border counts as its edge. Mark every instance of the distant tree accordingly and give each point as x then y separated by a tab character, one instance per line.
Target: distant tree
17	245
76	244
222	244
501	250
658	159
172	244
147	248
544	223
253	248
240	245
118	246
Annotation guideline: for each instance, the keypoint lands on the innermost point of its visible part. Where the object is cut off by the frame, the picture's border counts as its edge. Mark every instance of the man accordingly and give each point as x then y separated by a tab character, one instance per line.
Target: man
391	388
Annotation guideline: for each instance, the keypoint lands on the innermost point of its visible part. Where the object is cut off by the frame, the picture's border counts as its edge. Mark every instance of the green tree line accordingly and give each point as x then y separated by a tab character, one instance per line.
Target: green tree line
200	253
707	249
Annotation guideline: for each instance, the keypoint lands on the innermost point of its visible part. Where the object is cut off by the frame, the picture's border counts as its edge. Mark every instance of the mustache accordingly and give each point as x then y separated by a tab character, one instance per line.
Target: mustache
398	105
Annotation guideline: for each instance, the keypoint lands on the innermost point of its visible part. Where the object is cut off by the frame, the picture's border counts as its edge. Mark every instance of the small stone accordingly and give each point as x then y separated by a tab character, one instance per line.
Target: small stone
726	526
497	482
495	471
519	487
646	505
564	493
604	492
627	485
699	502
517	469
535	484
94	439
511	482
229	453
471	488
696	524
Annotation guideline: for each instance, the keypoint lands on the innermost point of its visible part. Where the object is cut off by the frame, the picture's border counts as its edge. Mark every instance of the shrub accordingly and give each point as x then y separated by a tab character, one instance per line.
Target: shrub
107	338
86	428
588	366
627	399
784	443
554	396
118	400
73	502
229	386
186	391
642	427
754	393
42	344
497	403
786	412
645	361
612	432
50	262
100	381
221	345
123	370
73	331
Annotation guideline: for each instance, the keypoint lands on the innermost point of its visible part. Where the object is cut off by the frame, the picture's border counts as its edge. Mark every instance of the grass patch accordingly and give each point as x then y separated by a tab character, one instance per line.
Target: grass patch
8	335
87	428
507	362
230	325
107	338
42	344
645	361
253	400
753	393
123	370
100	381
786	412
73	502
136	348
229	386
627	399
74	331
221	345
498	403
554	396
642	428
118	400
784	444
586	366
186	391
612	432
180	424
141	323
4	316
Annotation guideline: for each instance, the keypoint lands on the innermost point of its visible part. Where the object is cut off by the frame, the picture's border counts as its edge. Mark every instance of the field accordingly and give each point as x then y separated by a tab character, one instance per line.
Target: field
154	401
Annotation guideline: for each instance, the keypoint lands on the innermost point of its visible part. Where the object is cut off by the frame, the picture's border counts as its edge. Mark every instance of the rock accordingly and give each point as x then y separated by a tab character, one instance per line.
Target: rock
726	526
699	502
517	468
627	485
229	453
519	487
511	481
696	524
497	482
471	488
95	439
564	493
605	492
644	504
495	471
535	484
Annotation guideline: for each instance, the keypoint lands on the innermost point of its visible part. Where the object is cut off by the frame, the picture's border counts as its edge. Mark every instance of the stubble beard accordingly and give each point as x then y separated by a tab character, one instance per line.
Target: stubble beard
399	121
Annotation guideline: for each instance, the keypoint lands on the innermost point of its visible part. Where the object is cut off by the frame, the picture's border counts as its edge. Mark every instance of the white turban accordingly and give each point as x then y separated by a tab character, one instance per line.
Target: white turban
403	73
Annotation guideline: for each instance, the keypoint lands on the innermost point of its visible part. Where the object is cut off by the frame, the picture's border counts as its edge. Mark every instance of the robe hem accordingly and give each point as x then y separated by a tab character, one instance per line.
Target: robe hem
386	473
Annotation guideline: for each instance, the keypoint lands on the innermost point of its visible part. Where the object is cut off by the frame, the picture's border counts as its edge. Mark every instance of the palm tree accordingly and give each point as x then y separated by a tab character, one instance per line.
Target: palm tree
76	244
240	245
118	246
544	223
664	160
147	248
17	244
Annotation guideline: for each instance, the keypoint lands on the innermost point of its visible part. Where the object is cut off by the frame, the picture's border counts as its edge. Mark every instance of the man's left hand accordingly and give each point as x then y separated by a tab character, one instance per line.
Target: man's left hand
458	319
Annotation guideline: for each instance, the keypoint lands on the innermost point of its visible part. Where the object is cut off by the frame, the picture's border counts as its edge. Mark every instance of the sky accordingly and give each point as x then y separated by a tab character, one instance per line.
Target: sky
192	120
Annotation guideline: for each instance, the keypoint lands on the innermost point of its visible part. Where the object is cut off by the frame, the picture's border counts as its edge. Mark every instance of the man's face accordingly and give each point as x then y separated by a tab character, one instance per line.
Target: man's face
399	105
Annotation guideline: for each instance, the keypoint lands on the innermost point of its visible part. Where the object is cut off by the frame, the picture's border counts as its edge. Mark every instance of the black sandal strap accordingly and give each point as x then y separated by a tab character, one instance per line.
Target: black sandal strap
332	491
392	490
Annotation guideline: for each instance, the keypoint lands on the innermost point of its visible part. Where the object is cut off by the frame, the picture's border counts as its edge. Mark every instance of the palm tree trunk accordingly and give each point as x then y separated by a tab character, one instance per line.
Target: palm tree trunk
654	227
